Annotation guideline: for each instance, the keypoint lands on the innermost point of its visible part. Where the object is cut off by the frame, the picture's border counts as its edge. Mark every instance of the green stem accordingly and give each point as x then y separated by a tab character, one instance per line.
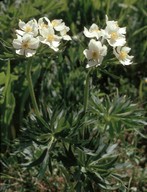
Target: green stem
86	91
141	90
30	85
32	94
108	6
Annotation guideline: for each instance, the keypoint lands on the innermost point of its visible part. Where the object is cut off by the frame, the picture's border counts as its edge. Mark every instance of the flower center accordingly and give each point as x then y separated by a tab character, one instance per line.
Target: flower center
114	36
50	37
28	29
94	55
122	55
25	45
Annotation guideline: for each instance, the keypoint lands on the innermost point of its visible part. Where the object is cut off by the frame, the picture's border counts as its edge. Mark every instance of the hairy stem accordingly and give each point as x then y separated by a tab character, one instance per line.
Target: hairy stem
86	91
31	89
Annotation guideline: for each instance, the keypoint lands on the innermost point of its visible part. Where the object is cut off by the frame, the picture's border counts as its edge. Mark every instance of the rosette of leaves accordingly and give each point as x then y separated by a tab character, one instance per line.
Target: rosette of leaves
69	144
117	115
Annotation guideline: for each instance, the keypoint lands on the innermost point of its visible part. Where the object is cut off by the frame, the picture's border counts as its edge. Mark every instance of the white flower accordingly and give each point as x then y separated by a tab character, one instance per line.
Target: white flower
49	38
93	31
30	27
95	53
114	34
26	45
44	23
64	35
57	24
121	54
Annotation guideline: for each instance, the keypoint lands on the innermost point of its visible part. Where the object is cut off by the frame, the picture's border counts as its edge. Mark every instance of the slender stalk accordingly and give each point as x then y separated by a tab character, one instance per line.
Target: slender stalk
86	91
30	85
108	6
141	90
32	94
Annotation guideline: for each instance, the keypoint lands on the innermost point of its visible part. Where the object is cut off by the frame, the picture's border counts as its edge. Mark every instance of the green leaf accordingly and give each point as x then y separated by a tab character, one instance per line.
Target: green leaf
8	101
2	78
37	161
44	165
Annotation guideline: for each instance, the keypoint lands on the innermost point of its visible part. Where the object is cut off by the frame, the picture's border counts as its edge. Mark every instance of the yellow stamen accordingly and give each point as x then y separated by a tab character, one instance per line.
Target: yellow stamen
122	55
94	55
28	29
114	36
25	45
50	37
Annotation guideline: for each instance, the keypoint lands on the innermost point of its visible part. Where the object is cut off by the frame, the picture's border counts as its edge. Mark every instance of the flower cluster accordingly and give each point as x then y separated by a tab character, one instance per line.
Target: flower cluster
114	35
32	33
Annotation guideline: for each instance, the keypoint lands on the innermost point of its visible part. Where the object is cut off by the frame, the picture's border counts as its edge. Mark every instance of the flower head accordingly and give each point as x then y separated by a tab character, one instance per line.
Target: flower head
26	45
121	54
95	53
44	23
64	35
114	34
57	24
93	31
49	38
31	27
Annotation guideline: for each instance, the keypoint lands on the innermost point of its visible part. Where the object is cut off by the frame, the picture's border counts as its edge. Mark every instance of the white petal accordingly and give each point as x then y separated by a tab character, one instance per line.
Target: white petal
126	49
17	43
27	37
103	51
21	24
55	43
34	43
87	33
29	52
20	32
20	52
122	30
88	54
91	64
48	21
118	42
60	27
66	37
54	48
126	62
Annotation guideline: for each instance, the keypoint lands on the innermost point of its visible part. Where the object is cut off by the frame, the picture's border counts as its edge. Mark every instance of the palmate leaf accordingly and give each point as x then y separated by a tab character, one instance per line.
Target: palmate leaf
117	114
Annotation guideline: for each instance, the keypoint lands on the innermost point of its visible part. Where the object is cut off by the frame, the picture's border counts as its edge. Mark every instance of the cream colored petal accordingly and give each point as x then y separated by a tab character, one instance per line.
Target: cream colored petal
122	30
126	49
20	32
55	44
29	52
91	64
20	52
34	43
17	43
21	24
66	37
